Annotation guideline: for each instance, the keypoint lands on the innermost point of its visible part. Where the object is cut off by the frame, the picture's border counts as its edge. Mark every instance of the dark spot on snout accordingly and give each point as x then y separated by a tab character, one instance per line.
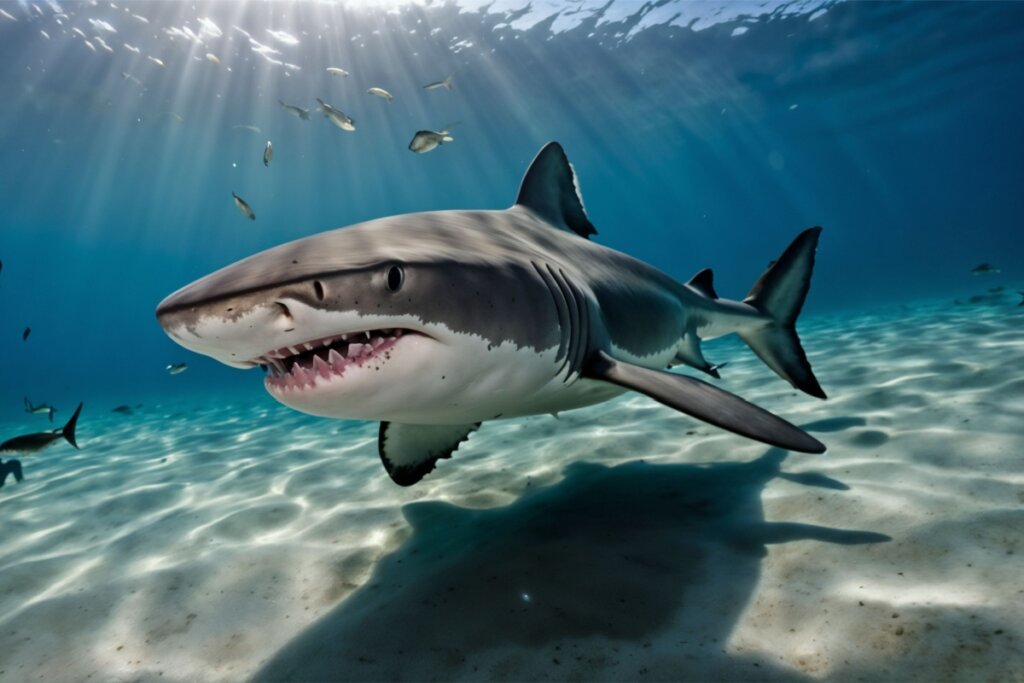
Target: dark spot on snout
318	289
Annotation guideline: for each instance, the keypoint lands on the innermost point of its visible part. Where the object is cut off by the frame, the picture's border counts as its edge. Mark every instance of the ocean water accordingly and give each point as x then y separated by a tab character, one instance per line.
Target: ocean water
207	532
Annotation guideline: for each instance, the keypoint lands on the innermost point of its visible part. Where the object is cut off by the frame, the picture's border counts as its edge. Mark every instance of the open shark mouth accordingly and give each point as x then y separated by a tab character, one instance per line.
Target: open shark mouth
304	365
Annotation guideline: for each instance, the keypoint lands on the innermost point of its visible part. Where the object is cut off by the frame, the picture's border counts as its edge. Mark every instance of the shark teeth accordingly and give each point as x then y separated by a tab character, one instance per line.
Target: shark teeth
302	365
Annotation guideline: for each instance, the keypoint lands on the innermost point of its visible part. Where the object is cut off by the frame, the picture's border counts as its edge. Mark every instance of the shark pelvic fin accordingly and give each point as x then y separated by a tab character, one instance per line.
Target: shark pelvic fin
409	451
705	402
550	190
690	354
779	293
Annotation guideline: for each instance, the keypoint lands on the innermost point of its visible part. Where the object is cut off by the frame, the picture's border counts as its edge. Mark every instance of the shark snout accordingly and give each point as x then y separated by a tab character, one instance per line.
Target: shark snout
231	334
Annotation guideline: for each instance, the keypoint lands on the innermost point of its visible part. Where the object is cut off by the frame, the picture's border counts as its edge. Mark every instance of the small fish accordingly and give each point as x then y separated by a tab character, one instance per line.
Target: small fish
7	15
177	117
1021	299
210	57
243	126
90	46
336	116
447	84
335	71
128	77
984	269
427	140
124	410
177	368
995	290
33	443
155	60
268	153
24	335
246	210
381	92
295	111
41	409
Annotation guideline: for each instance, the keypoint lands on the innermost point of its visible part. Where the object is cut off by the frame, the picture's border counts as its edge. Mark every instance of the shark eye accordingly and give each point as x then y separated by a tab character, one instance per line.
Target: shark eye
396	276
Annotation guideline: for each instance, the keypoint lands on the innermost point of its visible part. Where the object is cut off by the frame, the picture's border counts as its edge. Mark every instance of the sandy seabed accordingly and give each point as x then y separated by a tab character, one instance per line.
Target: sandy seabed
195	541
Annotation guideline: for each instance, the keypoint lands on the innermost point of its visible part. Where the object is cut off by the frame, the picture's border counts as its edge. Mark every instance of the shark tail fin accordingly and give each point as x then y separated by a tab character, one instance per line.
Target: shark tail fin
779	293
69	429
449	83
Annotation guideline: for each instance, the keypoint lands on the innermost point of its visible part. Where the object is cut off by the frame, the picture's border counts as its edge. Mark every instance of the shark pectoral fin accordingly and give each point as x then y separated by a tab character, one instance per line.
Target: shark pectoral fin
705	402
409	451
550	190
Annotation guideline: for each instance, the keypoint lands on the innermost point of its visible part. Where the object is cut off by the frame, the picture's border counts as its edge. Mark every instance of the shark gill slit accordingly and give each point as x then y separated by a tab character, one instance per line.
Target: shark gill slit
562	309
576	350
583	329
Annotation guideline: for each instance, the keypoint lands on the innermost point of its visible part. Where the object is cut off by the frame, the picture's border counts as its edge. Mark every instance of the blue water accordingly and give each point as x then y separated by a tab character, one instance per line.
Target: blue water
894	126
213	534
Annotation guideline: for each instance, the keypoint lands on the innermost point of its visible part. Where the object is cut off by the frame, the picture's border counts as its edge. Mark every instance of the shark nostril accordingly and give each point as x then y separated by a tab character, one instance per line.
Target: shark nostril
284	310
318	288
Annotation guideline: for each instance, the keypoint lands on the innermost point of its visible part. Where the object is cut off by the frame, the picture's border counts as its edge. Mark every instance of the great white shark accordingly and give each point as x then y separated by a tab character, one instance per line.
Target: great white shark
435	322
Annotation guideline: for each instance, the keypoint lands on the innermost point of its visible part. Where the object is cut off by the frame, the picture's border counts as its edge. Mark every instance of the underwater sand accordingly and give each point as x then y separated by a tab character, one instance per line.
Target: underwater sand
199	541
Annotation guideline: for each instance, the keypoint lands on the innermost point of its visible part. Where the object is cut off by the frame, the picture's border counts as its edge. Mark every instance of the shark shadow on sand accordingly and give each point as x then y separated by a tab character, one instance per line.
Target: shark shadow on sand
616	555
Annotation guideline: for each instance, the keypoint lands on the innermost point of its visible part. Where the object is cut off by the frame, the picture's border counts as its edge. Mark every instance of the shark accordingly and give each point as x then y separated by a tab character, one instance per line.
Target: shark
433	323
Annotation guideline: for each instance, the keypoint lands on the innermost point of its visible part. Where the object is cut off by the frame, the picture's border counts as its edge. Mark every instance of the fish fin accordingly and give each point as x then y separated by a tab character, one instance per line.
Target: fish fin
705	402
409	452
10	467
550	190
704	282
690	353
449	83
68	432
780	293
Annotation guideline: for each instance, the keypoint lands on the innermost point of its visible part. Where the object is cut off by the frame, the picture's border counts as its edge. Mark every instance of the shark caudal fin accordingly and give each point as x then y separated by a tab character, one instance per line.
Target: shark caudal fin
69	429
779	293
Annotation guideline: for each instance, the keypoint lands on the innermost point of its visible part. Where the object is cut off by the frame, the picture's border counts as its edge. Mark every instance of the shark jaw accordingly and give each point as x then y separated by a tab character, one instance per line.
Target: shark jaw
306	365
361	366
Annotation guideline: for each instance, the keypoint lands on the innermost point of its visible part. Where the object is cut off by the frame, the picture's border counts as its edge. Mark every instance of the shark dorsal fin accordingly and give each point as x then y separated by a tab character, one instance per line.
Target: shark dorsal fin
704	282
550	190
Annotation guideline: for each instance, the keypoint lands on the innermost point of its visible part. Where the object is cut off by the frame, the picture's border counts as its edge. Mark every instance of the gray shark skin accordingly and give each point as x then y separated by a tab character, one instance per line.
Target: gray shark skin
436	322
